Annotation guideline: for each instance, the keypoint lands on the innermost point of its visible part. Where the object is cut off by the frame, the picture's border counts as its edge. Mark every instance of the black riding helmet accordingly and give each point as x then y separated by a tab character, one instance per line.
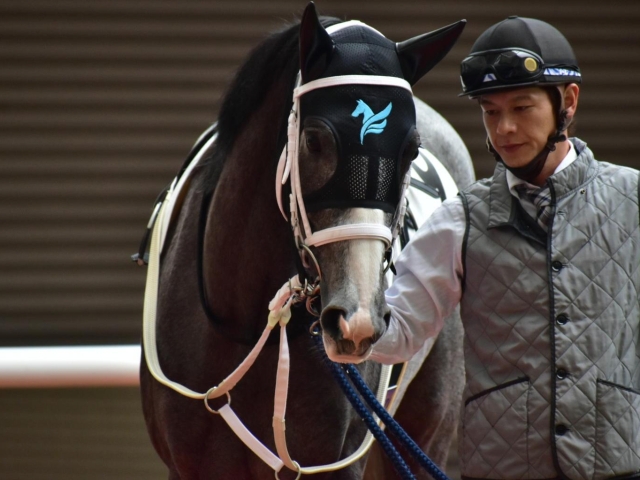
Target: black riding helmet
521	52
518	52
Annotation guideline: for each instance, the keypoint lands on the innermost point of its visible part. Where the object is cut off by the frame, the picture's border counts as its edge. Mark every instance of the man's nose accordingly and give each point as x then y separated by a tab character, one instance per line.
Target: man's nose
505	125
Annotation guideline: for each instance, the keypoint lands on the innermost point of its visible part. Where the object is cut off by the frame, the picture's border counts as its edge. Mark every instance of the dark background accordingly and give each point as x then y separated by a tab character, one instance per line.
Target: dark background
101	100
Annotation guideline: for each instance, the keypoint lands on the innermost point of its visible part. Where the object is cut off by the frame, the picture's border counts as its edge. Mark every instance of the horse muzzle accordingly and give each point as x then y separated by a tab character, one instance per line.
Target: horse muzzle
348	339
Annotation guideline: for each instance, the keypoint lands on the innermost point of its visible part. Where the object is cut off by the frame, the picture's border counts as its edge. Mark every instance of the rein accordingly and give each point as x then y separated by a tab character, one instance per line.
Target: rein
290	294
280	313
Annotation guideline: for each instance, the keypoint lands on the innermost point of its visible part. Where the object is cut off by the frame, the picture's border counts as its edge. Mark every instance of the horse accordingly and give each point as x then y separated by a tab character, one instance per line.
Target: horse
227	250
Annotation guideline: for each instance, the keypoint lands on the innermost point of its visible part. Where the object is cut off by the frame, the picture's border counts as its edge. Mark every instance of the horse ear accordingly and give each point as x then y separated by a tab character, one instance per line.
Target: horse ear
420	54
316	45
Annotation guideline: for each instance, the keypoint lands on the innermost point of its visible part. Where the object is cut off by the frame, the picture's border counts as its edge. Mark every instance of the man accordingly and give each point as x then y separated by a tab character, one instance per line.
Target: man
543	259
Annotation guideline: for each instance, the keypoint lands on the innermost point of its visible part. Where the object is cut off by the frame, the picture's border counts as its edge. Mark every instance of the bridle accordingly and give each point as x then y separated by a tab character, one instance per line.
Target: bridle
289	170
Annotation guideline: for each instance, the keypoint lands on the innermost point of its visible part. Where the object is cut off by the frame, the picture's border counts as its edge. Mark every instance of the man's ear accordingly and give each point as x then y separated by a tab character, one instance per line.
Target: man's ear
571	94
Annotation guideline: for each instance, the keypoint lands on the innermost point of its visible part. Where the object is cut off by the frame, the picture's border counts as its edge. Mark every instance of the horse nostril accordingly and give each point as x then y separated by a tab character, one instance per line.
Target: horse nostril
330	321
387	317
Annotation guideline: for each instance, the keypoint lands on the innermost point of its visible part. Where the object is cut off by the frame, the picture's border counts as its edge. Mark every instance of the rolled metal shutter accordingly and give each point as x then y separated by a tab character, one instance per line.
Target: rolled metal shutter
102	101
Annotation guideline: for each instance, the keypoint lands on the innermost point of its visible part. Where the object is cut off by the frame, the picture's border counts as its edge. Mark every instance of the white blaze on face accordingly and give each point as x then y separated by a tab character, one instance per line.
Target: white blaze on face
364	262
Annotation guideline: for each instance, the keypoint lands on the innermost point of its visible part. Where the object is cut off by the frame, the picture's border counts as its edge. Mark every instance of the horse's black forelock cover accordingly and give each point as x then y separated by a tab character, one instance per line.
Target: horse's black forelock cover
276	57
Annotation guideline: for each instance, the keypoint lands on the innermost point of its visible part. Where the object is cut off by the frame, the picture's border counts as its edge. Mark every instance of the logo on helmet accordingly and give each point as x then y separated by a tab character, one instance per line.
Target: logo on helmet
530	64
369	119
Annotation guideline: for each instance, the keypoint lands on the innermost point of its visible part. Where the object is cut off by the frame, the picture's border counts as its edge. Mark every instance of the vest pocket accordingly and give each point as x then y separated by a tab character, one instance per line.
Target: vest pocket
617	430
494	432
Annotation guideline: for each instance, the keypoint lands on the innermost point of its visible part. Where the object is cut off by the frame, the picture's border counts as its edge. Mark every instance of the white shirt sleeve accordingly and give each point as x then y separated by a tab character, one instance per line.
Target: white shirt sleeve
428	285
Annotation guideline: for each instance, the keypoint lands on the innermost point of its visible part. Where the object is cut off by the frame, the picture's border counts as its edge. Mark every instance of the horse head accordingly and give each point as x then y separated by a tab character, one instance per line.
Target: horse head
356	138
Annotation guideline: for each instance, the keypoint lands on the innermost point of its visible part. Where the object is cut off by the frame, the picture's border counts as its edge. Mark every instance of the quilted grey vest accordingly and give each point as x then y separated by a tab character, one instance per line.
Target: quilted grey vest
552	328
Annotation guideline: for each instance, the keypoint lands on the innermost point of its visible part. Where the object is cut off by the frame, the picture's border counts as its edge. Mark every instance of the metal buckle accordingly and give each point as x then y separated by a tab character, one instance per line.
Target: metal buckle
297	466
206	401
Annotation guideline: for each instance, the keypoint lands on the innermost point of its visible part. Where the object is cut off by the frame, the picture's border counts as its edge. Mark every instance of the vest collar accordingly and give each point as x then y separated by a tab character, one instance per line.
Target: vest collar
576	175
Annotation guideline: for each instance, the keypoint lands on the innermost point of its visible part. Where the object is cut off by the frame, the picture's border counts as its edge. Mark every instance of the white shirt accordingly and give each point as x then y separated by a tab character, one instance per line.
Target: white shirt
428	285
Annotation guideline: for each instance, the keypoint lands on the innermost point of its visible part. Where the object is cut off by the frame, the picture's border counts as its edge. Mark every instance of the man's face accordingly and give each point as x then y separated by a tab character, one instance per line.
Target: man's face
518	123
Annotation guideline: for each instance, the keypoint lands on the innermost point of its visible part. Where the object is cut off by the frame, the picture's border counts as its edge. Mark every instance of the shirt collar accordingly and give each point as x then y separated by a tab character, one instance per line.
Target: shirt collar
569	158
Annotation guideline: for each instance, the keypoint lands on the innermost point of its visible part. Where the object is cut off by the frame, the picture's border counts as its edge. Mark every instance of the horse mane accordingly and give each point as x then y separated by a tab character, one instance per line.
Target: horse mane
274	58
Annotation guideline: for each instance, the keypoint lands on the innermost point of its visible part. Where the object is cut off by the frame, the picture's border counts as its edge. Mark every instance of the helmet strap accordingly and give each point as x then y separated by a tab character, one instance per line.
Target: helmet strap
531	170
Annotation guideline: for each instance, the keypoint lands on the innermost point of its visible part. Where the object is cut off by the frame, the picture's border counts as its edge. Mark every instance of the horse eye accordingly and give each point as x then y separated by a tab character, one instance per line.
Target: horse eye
411	153
313	142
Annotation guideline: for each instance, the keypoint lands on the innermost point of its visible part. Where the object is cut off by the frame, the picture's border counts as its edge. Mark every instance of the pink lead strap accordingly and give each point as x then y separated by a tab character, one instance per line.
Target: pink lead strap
280	401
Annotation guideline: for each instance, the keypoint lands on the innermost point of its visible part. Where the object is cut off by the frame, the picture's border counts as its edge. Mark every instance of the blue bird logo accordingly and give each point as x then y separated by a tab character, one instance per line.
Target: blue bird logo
369	120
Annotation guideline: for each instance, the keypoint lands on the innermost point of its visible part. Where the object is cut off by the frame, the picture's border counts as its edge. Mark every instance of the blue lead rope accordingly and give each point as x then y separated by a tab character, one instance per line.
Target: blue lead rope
393	454
398	462
413	448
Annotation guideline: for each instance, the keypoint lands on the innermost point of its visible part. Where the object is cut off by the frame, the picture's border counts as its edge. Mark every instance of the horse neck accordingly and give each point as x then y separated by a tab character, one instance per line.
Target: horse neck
247	252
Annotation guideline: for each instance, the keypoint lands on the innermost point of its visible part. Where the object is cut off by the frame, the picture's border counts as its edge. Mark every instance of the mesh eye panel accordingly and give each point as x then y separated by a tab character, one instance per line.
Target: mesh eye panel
386	177
357	169
371	125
